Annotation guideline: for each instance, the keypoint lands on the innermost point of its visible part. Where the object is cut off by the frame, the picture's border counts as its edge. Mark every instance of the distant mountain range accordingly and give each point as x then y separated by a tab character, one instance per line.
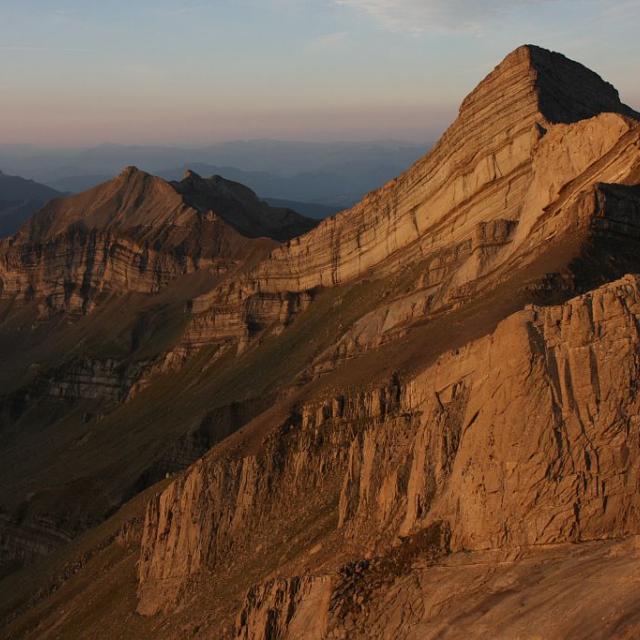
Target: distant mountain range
333	174
19	199
339	185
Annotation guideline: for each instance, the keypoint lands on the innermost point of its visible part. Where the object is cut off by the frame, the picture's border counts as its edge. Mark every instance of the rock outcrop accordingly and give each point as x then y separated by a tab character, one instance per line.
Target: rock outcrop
137	233
526	437
518	170
296	608
476	595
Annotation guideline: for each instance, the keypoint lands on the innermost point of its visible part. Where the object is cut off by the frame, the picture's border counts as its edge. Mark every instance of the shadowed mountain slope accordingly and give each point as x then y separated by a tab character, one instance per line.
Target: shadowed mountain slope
19	199
241	208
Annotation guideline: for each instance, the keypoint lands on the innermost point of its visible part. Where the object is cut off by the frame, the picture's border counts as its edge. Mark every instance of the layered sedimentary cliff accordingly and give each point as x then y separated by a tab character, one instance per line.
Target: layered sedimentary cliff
137	233
526	437
93	296
517	170
520	439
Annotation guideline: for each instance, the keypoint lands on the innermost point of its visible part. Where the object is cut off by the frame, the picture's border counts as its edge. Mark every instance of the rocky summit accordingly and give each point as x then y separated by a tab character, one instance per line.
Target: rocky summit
418	419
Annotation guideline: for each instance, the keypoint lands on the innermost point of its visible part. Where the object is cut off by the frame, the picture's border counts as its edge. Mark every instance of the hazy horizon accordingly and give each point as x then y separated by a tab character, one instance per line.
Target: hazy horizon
187	72
212	143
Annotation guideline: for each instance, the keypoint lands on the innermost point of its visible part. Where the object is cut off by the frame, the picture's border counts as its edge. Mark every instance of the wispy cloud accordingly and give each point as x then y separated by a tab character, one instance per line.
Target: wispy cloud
420	16
328	41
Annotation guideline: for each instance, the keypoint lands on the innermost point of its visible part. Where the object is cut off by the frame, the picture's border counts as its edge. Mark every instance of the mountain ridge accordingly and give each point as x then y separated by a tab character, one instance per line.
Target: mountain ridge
19	199
120	204
424	402
327	172
137	232
479	173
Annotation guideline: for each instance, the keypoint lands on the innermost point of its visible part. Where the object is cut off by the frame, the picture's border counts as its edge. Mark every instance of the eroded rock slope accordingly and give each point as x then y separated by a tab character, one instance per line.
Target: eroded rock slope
137	233
518	170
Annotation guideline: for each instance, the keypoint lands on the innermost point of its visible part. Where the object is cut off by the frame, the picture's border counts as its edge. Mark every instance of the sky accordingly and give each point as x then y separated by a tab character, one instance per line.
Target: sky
84	72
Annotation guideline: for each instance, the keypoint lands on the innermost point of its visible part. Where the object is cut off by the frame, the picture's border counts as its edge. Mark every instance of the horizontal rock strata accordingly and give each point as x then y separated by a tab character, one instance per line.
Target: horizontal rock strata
513	174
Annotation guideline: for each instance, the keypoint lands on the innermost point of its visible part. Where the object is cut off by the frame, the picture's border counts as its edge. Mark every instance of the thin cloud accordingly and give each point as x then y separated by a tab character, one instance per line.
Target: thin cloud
328	41
420	16
622	8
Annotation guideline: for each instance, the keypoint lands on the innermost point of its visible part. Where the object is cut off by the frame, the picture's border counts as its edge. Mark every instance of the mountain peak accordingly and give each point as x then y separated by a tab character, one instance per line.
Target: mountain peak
568	91
240	207
546	85
146	207
445	373
189	174
129	171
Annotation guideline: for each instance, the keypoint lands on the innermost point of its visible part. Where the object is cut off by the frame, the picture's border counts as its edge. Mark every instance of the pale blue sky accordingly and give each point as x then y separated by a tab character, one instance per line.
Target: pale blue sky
195	71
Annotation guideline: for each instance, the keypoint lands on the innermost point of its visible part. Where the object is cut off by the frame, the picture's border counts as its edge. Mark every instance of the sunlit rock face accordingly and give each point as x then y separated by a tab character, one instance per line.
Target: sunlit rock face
137	233
515	173
508	442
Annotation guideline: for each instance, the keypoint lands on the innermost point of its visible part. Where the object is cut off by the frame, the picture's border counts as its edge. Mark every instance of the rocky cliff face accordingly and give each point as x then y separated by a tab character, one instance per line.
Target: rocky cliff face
519	169
479	171
525	437
93	294
505	441
421	417
137	233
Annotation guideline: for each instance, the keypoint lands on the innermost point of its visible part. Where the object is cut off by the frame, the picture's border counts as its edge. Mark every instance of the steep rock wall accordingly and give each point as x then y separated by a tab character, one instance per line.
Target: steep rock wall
70	271
504	183
526	437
